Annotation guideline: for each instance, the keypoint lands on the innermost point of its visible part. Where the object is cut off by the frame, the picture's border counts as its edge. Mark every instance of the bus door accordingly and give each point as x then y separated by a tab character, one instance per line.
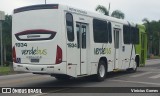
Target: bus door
117	48
81	30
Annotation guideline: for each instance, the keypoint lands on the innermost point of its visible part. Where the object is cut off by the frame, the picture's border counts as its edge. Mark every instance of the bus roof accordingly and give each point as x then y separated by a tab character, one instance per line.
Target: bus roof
36	7
73	10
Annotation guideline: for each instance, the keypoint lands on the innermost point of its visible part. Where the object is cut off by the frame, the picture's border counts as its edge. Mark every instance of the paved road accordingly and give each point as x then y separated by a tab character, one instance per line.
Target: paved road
148	76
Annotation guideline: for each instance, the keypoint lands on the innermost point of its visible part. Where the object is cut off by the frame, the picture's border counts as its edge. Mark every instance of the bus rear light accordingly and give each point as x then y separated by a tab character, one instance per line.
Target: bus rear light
14	55
58	55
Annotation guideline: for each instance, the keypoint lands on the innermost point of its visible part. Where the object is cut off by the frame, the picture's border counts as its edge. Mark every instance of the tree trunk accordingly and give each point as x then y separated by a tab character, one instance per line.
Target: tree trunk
159	44
5	54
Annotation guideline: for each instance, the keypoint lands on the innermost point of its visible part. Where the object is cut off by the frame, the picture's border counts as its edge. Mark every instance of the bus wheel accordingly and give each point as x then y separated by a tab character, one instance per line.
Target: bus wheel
134	69
101	72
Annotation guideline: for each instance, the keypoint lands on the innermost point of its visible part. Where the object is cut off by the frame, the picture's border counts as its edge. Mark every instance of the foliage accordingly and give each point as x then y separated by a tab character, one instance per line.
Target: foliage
153	32
117	13
102	9
4	70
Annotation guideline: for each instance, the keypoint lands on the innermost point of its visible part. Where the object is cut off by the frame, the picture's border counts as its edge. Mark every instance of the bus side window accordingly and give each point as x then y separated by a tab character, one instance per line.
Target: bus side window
126	34
83	36
78	33
70	28
136	36
132	35
100	31
110	32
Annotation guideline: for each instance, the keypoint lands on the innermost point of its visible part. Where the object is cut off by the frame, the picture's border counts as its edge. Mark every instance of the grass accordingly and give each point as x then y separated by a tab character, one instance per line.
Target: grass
8	71
5	70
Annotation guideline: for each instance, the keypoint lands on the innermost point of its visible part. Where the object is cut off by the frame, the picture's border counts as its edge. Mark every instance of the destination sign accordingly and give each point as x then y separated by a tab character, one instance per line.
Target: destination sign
77	11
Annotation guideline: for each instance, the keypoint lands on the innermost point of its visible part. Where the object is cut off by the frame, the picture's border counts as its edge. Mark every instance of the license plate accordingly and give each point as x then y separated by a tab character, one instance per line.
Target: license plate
35	60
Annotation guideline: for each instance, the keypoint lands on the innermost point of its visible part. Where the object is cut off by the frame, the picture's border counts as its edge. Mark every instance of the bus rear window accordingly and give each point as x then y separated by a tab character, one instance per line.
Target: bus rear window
35	35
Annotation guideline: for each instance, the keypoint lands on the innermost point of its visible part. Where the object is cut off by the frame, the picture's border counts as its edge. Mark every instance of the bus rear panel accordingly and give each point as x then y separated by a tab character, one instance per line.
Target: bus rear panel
37	40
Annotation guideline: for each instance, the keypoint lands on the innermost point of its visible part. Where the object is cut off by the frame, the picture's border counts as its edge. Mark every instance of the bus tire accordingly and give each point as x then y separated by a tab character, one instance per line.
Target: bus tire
101	71
134	69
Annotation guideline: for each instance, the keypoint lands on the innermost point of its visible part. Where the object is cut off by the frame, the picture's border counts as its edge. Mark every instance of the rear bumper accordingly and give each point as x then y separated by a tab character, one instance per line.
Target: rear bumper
41	69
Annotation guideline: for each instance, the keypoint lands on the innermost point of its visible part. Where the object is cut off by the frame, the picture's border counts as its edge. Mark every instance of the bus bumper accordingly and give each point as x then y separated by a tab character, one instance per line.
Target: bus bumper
41	69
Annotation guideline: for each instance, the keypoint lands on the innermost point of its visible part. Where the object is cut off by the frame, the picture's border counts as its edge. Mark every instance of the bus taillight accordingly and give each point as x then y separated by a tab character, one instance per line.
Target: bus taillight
14	54
59	55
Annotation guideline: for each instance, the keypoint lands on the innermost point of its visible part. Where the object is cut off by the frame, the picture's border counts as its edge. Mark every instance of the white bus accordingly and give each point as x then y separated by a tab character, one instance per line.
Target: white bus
65	42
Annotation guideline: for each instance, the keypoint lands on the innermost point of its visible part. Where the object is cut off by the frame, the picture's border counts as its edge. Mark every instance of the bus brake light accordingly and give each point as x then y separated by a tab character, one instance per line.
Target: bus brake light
14	54
58	55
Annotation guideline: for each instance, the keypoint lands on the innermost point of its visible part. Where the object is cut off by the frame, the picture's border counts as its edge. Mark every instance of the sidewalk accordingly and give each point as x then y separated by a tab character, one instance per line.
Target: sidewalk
152	61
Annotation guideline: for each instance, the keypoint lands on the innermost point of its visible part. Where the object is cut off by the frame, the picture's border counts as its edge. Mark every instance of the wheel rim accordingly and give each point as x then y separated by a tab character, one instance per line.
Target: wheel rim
135	66
101	70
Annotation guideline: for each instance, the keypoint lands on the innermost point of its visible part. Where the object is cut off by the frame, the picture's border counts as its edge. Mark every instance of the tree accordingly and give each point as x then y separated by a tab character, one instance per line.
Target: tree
155	29
102	9
117	13
153	33
7	38
147	24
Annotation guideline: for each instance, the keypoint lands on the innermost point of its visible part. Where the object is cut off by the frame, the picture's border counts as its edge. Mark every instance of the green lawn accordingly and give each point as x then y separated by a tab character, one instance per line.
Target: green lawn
5	70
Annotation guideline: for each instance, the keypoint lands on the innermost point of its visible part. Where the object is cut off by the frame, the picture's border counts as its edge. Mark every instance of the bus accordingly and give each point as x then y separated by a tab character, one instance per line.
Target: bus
67	42
142	46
